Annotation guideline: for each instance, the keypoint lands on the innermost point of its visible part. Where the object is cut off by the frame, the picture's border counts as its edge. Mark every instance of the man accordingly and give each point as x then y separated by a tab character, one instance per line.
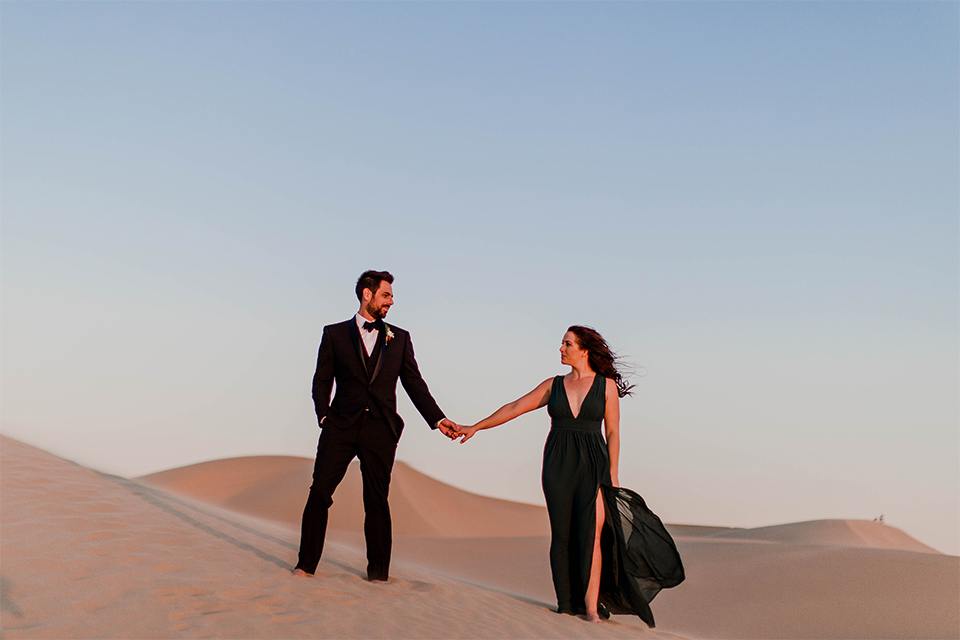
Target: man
365	357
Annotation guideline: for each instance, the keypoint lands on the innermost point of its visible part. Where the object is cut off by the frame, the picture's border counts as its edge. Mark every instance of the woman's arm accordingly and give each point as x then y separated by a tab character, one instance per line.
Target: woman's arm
533	400
611	421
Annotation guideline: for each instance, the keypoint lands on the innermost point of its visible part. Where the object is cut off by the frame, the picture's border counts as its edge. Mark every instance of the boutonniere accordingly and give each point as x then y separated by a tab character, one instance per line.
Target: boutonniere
389	335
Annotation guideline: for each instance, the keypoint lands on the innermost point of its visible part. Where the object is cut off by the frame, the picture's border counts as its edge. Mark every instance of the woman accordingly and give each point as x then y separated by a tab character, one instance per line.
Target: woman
608	552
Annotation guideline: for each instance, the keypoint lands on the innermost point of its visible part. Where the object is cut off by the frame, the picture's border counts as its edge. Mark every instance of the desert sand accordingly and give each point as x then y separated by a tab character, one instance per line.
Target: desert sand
206	551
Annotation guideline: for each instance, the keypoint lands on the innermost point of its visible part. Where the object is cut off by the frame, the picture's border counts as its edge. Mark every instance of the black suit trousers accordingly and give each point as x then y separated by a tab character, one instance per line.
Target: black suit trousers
372	441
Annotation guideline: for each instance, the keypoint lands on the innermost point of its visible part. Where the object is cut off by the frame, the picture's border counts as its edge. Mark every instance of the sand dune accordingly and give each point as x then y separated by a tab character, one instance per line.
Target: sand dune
206	550
862	579
276	487
835	533
88	555
745	589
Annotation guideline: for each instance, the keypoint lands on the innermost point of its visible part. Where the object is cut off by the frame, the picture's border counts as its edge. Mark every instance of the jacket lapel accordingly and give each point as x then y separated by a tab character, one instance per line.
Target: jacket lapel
355	337
381	338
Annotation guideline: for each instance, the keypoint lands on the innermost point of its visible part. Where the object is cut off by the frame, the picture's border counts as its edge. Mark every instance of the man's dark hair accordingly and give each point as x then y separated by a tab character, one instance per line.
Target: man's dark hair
371	280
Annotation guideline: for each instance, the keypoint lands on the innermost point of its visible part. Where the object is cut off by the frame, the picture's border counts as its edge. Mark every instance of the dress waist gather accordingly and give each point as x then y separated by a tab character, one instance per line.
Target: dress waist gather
576	424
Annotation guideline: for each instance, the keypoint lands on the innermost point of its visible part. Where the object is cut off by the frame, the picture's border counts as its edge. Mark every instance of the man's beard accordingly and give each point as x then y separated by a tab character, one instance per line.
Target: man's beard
377	313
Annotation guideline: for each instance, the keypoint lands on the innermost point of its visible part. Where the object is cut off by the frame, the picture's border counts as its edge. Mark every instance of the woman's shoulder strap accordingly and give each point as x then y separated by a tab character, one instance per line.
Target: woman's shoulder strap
557	384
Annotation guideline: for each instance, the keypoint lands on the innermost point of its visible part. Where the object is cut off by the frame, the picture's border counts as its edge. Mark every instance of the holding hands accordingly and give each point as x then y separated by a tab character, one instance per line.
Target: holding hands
449	428
456	431
466	432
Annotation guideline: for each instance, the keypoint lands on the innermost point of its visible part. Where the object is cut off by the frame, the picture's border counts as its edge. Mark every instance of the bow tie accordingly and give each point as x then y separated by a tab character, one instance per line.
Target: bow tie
370	326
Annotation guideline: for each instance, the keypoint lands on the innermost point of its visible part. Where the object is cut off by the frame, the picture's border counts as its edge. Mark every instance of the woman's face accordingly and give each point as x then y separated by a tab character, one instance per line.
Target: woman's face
570	351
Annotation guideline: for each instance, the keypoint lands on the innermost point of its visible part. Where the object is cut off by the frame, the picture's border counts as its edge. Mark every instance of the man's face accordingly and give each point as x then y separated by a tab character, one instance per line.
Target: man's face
377	304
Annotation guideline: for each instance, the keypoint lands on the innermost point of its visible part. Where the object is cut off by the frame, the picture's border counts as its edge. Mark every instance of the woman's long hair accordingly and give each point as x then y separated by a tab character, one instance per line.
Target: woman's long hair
601	358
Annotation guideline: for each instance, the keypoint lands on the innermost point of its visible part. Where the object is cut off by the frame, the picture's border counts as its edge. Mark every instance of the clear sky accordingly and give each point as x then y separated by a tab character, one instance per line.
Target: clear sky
756	203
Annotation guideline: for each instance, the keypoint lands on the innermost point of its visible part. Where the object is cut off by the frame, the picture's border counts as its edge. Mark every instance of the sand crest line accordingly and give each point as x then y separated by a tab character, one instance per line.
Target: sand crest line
152	498
162	500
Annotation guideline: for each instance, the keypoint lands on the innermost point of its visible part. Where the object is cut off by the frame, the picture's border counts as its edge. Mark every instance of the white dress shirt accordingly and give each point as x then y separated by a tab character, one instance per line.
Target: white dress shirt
369	338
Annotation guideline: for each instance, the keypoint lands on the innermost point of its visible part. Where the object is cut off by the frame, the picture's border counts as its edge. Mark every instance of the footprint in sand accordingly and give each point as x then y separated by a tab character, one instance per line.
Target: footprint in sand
402	587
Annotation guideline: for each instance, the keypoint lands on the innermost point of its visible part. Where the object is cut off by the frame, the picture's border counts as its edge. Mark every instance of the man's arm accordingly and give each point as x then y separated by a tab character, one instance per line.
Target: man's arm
416	388
323	378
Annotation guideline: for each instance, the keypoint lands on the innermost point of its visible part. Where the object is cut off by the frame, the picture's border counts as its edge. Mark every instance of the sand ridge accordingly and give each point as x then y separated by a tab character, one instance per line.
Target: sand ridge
832	533
276	488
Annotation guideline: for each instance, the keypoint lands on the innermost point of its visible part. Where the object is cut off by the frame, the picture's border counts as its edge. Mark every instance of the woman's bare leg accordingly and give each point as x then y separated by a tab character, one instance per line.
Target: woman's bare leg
593	586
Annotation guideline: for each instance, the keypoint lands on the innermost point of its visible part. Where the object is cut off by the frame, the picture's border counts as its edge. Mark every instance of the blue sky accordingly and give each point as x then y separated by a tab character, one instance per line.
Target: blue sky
757	203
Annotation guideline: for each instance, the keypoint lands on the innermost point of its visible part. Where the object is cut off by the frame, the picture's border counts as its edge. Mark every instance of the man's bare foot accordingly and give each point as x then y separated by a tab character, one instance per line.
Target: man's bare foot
375	581
594	617
301	573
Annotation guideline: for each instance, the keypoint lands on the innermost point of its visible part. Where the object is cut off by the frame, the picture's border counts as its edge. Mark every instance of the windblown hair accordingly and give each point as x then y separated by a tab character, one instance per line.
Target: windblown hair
601	358
371	280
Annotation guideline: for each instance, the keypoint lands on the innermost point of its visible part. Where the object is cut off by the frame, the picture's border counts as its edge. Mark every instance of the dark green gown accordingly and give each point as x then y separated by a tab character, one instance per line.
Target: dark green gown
639	556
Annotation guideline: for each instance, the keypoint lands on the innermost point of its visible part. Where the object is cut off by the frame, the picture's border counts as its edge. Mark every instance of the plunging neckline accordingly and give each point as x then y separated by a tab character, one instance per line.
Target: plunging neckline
563	383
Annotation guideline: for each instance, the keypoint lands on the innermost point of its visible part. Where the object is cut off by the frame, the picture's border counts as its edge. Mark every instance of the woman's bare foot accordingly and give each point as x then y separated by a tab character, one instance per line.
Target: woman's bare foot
301	573
594	617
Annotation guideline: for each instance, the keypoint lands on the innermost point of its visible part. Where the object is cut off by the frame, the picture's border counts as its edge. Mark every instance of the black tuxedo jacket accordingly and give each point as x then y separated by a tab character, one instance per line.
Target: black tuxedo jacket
368	384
